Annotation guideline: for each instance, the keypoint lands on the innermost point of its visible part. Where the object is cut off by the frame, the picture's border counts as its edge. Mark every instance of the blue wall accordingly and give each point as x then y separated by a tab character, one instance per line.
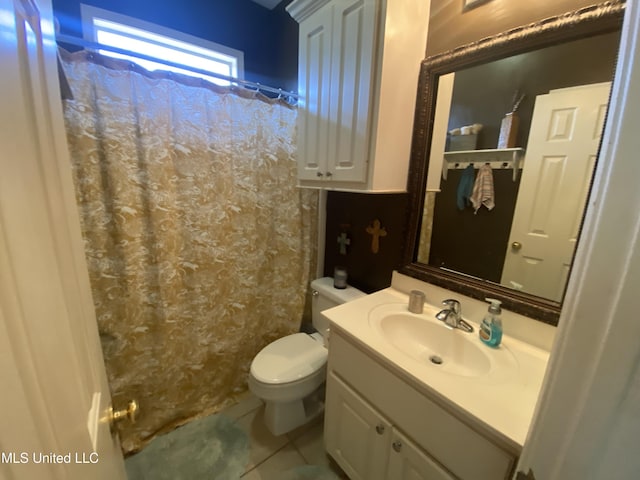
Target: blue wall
268	38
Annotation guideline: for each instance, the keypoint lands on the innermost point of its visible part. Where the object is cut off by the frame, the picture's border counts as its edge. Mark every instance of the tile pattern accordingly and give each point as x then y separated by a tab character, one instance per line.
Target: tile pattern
297	455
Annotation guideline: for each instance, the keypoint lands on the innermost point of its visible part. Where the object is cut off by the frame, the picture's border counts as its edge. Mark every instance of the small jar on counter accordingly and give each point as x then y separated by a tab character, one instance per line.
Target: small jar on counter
340	277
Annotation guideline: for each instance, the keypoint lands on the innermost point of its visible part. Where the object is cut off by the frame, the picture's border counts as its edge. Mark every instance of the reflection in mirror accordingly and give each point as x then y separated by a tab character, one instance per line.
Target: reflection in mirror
527	239
525	109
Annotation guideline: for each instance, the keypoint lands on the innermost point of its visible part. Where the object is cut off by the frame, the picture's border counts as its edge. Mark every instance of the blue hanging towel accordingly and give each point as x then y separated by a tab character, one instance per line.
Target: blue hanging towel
465	187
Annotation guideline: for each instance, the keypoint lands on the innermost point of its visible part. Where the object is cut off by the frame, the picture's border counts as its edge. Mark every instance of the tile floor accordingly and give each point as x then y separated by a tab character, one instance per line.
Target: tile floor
271	455
298	455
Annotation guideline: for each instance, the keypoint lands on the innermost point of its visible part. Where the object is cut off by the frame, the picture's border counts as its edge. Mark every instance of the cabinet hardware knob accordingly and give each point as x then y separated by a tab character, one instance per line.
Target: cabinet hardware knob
319	174
329	174
516	246
397	445
380	429
315	293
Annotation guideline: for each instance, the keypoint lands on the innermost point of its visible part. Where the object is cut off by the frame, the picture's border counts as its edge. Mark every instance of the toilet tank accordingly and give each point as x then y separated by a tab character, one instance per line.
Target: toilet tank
325	296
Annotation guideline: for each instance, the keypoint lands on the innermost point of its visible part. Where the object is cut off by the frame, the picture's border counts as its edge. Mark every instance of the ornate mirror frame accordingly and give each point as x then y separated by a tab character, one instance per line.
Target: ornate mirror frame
597	19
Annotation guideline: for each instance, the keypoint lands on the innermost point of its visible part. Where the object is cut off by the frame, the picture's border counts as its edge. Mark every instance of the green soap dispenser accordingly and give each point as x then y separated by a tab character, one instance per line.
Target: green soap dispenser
491	328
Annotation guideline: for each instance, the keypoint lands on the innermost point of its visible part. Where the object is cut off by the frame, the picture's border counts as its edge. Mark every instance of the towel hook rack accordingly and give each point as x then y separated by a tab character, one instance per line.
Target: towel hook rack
496	158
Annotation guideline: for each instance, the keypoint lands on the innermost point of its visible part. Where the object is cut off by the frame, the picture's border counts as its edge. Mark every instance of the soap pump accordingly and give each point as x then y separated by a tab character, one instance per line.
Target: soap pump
491	328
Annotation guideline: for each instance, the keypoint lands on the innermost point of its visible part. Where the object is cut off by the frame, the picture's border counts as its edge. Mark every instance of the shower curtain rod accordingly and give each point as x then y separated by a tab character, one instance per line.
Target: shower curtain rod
61	38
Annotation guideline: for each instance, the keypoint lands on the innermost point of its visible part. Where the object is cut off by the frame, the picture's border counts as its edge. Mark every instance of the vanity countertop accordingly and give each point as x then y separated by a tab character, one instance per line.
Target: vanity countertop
503	406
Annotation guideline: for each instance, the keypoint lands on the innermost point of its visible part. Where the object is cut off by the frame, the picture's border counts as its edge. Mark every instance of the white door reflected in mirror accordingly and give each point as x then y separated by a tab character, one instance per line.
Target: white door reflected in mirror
560	157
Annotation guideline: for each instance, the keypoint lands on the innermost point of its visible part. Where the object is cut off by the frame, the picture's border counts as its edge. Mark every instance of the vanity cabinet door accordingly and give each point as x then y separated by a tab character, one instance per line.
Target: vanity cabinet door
409	462
356	435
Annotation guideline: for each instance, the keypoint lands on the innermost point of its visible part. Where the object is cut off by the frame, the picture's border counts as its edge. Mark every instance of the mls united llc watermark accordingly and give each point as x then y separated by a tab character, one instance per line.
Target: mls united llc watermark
39	457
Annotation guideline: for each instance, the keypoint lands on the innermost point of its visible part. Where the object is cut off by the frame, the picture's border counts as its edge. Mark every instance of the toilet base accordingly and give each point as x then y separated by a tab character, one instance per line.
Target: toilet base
282	417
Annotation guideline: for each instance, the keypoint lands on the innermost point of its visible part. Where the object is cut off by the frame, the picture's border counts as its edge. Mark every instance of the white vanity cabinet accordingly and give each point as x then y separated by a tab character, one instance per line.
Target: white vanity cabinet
357	79
357	436
366	445
378	426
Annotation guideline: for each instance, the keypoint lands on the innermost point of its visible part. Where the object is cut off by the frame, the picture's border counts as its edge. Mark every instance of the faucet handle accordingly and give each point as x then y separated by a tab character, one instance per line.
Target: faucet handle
453	304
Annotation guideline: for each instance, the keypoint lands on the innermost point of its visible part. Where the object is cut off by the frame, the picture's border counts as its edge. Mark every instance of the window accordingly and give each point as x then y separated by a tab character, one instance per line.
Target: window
119	31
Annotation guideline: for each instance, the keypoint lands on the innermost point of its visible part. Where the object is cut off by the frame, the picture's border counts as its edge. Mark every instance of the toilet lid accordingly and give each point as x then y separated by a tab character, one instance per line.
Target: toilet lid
289	359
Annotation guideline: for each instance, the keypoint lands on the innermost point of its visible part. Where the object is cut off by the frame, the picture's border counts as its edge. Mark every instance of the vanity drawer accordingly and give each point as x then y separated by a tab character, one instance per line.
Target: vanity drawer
457	446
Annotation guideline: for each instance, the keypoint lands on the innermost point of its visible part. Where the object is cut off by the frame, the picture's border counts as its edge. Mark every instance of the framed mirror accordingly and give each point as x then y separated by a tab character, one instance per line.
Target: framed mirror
510	107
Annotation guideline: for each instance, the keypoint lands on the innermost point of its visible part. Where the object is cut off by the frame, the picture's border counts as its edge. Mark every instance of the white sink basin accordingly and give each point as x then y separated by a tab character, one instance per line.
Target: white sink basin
433	344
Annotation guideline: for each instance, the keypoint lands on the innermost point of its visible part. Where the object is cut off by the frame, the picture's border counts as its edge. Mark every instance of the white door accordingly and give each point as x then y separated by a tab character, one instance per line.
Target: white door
55	399
561	153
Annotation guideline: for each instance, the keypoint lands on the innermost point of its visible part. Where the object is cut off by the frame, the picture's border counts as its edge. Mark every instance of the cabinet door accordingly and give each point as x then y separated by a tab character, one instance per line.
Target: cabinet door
352	76
356	436
314	76
408	462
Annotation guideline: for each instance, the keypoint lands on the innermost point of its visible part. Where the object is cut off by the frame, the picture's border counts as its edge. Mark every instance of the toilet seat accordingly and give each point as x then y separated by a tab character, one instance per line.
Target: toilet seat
289	359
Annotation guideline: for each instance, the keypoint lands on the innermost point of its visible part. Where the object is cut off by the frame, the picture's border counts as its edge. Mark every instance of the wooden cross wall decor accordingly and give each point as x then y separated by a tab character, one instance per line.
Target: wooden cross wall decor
376	232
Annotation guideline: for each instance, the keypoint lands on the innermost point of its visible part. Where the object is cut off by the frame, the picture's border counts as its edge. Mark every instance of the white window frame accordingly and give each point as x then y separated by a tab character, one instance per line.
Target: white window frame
98	24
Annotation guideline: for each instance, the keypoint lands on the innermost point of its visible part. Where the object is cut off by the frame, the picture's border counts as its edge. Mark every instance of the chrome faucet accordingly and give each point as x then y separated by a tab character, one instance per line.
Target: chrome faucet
452	315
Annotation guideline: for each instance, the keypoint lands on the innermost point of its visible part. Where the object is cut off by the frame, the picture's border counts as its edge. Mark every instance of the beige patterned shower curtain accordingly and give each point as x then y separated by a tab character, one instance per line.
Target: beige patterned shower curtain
198	242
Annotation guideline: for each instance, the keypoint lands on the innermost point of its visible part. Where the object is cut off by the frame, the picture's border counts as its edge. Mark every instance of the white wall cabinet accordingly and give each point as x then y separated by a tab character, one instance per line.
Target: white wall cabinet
357	77
379	427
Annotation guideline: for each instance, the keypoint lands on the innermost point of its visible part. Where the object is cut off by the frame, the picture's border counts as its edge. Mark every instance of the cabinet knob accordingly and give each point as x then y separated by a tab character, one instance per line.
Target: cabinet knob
397	445
329	174
380	429
319	174
516	246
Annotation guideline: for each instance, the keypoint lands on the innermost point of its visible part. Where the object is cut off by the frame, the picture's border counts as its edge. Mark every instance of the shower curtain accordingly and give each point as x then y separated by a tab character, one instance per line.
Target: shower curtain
199	244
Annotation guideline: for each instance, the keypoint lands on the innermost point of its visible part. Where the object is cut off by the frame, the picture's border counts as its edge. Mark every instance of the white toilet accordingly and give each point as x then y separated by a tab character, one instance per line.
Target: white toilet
289	374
